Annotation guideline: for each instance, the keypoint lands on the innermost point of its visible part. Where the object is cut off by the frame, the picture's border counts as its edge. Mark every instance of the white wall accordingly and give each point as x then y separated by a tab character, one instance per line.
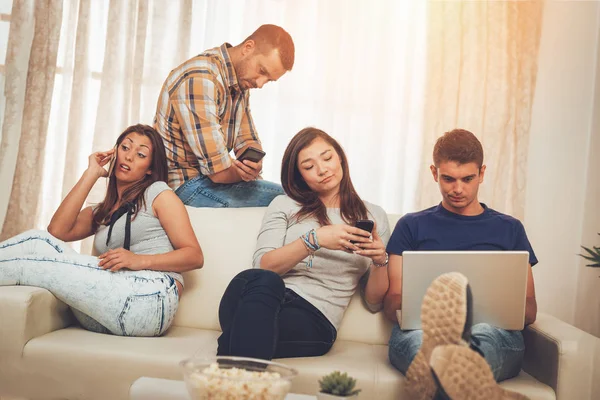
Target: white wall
587	306
558	153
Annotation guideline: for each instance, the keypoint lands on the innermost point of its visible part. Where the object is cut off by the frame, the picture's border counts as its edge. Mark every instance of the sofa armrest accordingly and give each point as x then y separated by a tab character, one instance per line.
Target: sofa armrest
561	356
28	312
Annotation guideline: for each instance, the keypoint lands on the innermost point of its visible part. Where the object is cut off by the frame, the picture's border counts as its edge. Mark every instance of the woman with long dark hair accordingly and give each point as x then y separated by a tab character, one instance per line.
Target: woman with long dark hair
309	259
144	239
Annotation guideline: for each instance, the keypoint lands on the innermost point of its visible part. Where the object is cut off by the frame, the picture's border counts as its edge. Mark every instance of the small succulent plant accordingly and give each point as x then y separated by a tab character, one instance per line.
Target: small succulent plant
593	255
338	384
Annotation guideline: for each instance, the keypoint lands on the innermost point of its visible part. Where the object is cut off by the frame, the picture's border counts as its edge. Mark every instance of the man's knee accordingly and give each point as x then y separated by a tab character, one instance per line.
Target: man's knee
483	329
258	193
268	186
491	338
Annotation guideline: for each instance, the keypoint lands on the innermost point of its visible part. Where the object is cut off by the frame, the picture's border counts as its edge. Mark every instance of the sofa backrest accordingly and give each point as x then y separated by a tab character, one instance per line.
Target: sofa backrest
228	237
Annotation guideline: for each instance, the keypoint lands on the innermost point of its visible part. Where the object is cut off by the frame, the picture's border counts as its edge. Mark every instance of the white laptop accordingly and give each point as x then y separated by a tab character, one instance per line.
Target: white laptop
498	281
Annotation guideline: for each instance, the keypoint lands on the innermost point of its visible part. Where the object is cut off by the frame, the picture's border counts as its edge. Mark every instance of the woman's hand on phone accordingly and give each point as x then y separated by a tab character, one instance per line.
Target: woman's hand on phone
375	249
98	160
248	170
338	237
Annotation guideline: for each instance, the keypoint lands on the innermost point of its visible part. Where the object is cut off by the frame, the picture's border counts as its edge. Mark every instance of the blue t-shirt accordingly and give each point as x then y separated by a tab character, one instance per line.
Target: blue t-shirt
439	229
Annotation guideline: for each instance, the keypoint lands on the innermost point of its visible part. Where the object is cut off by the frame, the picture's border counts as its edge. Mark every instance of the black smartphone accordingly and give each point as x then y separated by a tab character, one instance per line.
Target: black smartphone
365	225
251	154
113	161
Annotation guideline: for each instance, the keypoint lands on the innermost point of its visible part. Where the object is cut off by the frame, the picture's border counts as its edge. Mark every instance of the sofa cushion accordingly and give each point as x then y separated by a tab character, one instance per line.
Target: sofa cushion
225	258
530	387
359	325
87	361
74	363
375	375
367	363
32	312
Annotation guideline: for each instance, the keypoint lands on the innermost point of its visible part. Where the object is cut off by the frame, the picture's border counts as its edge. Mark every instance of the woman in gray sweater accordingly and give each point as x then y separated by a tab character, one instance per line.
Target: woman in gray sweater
309	259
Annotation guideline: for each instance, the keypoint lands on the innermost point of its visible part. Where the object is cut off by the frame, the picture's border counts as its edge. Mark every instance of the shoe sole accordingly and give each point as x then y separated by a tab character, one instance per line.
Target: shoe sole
443	319
463	373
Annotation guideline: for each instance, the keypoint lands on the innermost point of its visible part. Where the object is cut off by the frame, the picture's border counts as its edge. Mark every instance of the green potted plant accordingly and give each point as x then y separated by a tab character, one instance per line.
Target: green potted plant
592	255
337	386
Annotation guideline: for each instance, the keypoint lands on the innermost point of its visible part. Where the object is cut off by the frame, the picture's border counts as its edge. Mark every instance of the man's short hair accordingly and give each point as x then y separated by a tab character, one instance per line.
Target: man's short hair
460	146
269	37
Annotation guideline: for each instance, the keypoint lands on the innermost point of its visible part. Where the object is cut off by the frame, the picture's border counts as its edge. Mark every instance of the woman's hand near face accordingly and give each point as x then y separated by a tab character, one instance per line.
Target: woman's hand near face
70	222
375	249
338	237
98	160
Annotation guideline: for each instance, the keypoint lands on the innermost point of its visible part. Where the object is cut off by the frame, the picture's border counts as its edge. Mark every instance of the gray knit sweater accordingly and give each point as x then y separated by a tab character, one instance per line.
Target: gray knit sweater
335	275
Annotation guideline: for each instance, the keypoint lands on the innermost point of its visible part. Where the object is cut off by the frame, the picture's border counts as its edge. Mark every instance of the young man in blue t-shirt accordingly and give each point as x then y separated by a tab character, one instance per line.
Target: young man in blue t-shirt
459	222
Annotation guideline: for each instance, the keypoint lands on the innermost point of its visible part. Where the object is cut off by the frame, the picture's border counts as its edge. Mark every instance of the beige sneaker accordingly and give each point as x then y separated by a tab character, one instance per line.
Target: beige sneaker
462	373
446	318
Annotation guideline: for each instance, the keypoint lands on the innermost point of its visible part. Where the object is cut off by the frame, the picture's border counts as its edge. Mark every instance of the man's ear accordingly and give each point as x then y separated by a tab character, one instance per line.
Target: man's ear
481	173
248	47
434	172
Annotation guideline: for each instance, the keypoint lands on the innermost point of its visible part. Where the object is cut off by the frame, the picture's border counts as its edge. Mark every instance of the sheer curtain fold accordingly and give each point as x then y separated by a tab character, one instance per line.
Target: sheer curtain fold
75	89
25	196
114	104
384	78
481	77
115	55
15	84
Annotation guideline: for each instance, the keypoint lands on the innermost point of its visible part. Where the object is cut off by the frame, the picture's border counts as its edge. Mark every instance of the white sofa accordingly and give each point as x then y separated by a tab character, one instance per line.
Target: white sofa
44	355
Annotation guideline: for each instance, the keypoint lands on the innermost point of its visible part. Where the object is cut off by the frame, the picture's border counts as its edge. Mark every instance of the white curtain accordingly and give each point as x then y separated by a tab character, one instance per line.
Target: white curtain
359	75
364	71
481	77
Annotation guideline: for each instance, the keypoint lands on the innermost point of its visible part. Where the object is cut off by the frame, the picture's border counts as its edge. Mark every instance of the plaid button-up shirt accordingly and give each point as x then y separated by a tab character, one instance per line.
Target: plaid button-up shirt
202	114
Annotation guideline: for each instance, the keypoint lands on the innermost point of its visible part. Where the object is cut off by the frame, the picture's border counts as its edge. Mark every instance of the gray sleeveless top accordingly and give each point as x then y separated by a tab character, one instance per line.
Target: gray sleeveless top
147	234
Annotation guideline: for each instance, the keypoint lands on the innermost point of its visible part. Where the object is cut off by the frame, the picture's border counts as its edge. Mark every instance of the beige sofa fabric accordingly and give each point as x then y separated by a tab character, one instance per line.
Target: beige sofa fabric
41	359
26	313
562	356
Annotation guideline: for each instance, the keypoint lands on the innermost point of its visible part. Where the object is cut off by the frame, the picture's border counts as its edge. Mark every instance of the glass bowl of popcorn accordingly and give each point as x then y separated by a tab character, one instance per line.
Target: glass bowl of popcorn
233	378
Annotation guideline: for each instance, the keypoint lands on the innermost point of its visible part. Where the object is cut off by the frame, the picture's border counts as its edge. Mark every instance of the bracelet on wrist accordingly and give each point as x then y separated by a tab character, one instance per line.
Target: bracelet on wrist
311	247
385	263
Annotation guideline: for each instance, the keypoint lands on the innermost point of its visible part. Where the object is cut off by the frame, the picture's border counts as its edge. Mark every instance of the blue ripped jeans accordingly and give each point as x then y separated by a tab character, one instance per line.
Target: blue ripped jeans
200	191
126	303
503	350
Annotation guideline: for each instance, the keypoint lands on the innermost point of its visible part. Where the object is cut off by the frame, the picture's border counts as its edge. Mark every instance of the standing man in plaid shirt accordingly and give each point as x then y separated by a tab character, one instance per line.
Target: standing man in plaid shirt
203	113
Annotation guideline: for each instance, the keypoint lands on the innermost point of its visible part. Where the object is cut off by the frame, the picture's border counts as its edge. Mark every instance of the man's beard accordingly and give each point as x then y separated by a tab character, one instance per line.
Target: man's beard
241	70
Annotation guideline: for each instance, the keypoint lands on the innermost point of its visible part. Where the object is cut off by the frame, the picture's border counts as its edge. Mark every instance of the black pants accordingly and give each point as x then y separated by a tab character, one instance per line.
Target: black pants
261	318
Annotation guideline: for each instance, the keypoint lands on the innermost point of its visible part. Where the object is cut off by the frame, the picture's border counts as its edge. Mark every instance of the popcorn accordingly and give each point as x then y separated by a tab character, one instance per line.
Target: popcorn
215	383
